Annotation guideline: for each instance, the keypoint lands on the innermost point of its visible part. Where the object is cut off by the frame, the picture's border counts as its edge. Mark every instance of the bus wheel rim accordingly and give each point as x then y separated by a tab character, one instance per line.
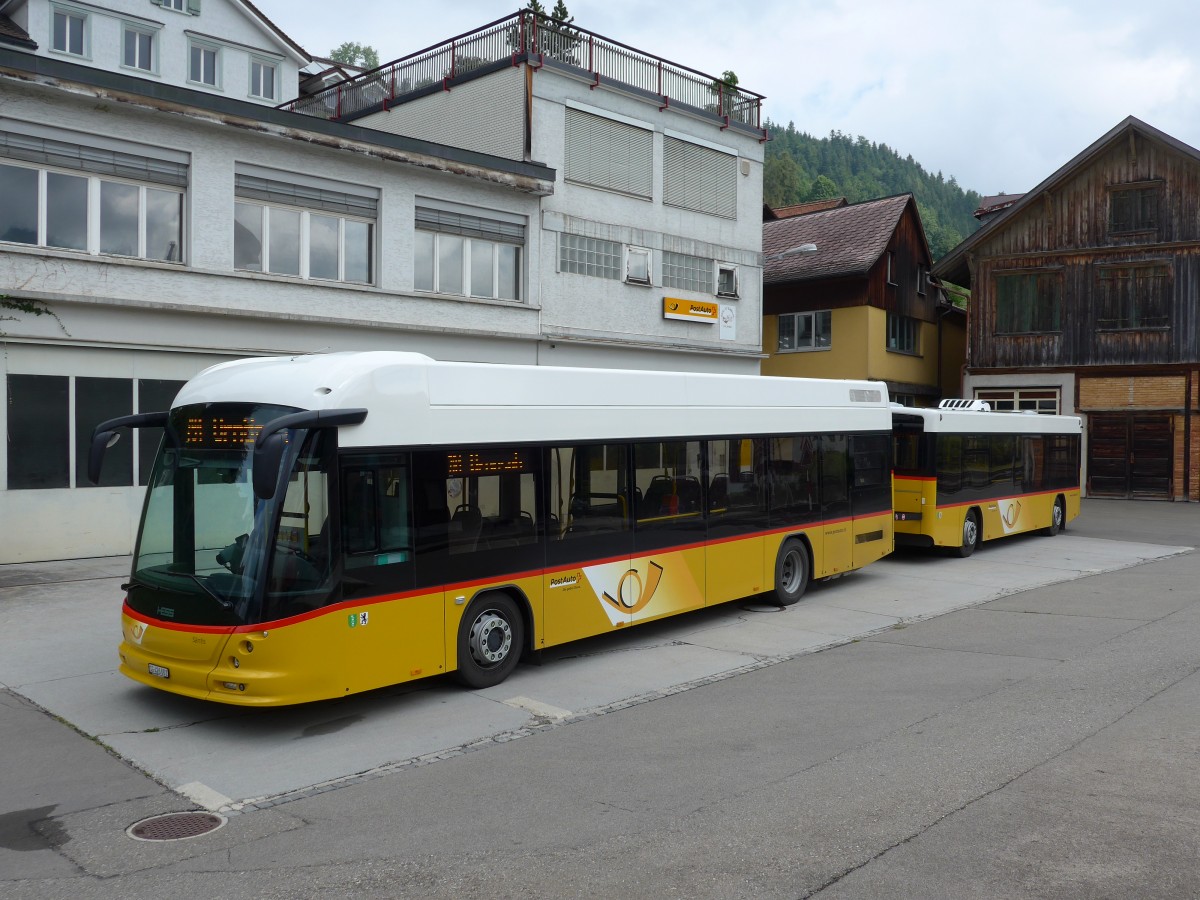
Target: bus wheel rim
1058	515
791	571
491	639
970	531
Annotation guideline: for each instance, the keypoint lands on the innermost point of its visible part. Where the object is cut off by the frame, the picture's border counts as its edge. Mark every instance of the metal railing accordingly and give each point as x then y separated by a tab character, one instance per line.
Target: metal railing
528	36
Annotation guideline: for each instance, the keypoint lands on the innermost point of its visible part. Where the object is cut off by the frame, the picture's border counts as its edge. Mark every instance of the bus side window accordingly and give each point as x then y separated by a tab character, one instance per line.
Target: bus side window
375	527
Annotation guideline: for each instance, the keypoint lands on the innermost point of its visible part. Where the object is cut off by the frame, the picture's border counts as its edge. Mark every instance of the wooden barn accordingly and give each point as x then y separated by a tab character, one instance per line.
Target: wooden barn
1085	298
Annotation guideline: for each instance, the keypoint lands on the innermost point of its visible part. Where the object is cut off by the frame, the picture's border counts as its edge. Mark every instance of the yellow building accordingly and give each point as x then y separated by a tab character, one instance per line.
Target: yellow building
847	294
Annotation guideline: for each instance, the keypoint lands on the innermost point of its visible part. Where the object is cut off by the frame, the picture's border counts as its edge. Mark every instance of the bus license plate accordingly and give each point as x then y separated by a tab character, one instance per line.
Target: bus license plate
160	671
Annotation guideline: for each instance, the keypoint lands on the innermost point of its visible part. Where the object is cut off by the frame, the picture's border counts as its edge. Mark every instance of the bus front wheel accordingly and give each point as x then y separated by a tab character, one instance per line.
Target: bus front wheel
791	572
490	638
1058	518
970	535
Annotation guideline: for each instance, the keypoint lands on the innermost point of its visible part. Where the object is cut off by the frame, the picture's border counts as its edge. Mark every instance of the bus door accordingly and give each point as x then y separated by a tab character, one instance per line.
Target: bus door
837	552
871	497
667	572
589	541
402	638
737	519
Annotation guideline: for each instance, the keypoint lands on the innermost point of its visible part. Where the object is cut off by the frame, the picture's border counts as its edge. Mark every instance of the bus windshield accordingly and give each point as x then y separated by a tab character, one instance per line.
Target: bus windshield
204	532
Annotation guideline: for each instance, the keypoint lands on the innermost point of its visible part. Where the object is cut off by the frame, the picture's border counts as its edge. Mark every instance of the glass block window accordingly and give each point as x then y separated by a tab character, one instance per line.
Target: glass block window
689	273
589	256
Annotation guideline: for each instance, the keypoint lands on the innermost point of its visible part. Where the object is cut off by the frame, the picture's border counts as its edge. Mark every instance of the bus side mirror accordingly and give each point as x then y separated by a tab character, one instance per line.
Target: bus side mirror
101	441
268	454
105	435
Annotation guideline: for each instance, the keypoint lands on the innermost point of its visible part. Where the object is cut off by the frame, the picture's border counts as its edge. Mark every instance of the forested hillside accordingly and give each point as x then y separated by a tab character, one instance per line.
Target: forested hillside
800	167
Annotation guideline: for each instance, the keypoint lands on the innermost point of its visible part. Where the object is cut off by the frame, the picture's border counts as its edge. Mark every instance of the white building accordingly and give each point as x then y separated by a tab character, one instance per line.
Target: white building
167	222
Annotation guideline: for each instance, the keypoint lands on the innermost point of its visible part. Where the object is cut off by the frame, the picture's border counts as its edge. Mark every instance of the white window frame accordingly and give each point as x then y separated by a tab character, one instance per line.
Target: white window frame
466	267
177	5
85	38
632	253
305	243
203	47
733	270
813	346
152	33
922	280
93	225
891	268
264	65
1022	399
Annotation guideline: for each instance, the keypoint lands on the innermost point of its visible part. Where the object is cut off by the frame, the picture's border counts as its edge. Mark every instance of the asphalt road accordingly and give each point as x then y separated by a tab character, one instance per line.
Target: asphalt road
1042	744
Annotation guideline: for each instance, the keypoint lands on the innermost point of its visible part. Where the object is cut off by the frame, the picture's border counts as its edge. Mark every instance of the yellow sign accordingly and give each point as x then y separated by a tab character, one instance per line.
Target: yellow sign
690	310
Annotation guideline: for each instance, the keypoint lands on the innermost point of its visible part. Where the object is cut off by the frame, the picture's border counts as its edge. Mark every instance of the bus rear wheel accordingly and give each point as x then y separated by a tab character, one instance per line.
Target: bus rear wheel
490	638
1058	518
791	572
970	535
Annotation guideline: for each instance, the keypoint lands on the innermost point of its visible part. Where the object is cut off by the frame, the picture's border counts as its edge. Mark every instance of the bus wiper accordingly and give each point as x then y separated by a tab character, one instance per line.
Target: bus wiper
225	604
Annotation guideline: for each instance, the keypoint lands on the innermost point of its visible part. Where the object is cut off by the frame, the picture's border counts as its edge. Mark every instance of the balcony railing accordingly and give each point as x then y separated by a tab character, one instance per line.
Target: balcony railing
527	36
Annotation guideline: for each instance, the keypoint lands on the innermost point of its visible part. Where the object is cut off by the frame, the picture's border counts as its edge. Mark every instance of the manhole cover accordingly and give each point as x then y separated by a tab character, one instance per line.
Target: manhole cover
175	826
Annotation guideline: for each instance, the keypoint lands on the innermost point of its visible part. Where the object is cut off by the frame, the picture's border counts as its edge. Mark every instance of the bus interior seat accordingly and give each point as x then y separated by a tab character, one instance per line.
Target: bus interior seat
465	526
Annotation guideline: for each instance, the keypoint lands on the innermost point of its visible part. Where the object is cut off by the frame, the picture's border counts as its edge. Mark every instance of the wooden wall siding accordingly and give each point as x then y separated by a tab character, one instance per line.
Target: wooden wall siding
810	296
1193	482
1129	393
907	247
1068	230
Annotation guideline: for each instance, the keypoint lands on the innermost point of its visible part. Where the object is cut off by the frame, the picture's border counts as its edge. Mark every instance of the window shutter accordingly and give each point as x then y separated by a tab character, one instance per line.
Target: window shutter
193	7
609	154
157	2
251	187
469	226
699	178
93	160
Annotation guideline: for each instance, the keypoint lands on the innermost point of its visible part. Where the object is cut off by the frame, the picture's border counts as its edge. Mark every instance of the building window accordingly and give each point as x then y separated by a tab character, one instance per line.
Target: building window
637	265
699	178
473	256
139	215
309	232
1133	208
1134	297
922	279
903	334
589	256
139	49
688	273
607	154
806	331
727	280
177	5
1039	400
48	444
891	268
203	66
1028	302
70	32
262	80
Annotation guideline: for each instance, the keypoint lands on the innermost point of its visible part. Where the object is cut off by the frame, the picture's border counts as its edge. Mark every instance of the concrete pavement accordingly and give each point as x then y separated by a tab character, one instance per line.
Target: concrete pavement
1040	744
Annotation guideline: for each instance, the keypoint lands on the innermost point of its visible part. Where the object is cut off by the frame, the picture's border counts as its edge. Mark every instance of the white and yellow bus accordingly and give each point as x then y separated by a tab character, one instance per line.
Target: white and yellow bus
328	524
965	474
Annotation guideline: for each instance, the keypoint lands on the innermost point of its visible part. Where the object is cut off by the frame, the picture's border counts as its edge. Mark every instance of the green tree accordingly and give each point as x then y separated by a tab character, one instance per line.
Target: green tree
350	53
783	181
823	188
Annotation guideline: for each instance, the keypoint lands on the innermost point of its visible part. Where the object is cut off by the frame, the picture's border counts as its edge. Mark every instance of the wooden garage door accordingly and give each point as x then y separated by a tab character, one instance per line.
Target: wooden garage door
1130	455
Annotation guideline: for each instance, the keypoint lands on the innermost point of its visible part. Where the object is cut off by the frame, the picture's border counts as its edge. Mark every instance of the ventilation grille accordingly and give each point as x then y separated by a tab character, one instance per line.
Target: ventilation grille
976	405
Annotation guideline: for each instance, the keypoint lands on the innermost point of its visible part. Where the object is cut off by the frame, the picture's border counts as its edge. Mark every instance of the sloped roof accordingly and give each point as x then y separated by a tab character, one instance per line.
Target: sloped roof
996	203
803	209
953	266
279	32
849	239
12	33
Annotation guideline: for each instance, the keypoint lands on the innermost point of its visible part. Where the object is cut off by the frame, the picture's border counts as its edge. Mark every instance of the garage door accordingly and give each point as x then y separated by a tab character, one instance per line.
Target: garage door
1130	455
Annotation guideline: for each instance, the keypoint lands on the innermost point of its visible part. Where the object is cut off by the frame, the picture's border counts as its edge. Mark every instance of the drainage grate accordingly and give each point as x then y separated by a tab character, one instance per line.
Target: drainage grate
175	826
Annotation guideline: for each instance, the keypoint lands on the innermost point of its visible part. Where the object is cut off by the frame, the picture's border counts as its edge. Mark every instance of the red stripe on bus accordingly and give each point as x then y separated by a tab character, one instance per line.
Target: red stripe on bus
466	585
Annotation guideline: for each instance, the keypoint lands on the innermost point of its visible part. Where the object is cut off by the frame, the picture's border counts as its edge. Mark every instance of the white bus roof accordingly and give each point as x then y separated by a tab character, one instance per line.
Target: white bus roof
413	400
961	421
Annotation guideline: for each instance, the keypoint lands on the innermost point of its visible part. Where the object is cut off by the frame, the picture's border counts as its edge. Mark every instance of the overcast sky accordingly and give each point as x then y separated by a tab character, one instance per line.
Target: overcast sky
997	93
